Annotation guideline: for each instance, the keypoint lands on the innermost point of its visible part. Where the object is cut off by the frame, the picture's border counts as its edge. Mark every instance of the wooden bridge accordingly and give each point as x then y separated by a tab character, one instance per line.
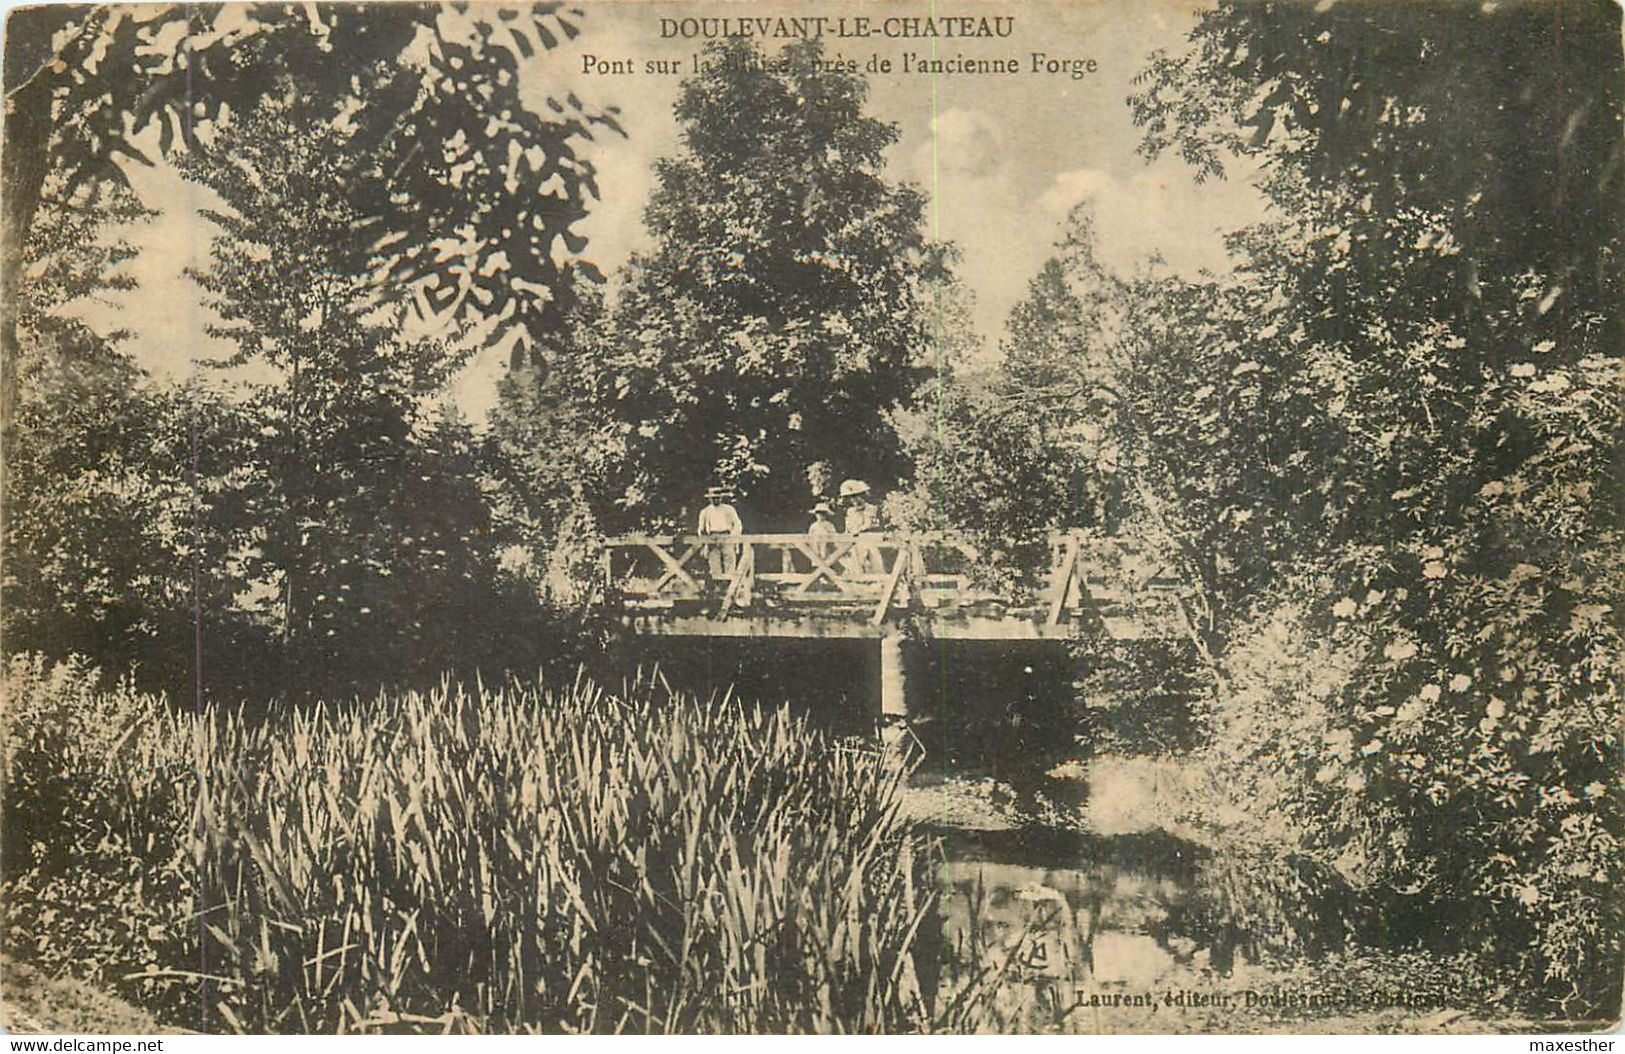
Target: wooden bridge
866	585
872	585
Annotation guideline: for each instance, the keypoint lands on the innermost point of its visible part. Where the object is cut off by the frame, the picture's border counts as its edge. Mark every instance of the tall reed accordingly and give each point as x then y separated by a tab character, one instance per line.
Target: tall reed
497	858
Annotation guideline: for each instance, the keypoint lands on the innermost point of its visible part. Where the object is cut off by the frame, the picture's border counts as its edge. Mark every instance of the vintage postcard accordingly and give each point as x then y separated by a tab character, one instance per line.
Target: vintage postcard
1049	516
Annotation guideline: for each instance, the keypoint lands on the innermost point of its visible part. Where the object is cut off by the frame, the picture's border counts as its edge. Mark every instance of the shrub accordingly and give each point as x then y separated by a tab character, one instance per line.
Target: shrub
1466	786
96	868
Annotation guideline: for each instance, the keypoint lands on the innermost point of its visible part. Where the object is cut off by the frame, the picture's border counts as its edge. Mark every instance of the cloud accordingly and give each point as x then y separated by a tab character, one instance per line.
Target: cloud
1069	188
975	180
965	144
1158	210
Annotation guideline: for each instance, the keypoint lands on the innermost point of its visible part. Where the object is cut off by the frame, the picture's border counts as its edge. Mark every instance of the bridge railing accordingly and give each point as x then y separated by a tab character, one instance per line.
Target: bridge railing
739	571
876	573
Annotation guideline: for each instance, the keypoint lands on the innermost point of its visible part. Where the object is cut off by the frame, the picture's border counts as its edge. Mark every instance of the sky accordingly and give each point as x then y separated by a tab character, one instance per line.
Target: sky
1002	158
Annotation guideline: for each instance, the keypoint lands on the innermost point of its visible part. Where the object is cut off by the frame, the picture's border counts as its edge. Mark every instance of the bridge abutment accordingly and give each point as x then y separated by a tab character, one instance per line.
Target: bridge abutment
894	712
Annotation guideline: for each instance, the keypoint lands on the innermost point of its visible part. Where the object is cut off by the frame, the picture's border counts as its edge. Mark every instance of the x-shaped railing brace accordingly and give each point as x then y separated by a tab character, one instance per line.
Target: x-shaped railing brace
674	566
821	565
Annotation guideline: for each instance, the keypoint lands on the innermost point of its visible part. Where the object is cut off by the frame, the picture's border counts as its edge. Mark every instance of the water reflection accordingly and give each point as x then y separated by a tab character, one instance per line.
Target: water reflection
1060	914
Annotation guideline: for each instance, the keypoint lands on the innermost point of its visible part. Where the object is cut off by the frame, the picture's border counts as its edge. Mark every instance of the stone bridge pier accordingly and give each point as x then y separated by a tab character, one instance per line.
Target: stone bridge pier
894	708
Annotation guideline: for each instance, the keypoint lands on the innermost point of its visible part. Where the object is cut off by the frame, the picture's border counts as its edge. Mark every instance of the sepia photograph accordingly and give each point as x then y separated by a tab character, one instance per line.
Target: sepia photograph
718	517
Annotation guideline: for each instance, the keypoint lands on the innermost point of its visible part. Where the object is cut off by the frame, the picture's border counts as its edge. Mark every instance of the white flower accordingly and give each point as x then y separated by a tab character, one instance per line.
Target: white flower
1460	682
1434	569
1523	369
1345	607
1399	649
1595	789
1430	692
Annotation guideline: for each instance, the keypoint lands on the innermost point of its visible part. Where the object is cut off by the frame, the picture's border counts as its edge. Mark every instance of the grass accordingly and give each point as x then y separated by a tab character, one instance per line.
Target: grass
504	858
33	1003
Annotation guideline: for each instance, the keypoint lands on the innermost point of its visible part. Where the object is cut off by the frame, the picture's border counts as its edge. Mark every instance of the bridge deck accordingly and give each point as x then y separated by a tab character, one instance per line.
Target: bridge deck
797	585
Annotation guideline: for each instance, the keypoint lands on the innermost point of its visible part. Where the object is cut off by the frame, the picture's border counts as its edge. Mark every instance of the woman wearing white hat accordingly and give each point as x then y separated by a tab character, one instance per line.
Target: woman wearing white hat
860	515
861	518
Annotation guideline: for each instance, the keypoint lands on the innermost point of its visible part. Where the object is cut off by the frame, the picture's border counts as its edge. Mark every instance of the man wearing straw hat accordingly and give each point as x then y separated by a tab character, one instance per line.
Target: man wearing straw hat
720	518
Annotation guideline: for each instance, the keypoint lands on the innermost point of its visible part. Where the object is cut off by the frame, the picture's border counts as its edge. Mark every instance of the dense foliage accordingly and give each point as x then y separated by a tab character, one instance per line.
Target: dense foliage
1407	410
359	527
513	857
1384	450
101	527
319	525
1010	454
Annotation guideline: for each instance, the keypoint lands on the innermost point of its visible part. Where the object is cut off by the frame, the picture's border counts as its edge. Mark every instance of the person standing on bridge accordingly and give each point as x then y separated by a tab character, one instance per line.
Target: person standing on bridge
823	525
822	530
720	518
861	518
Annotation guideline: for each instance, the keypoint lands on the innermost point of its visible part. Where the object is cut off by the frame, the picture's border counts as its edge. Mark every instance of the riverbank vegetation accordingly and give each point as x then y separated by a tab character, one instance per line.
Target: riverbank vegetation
490	859
1381	450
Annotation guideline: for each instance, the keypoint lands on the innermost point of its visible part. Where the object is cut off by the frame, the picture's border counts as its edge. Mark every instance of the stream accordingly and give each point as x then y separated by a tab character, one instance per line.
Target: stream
1073	922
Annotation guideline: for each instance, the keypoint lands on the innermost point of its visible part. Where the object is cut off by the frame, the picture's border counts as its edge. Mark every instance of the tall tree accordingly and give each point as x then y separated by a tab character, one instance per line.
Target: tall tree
102	531
552	449
1027	447
371	538
1370	112
779	317
1063	377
